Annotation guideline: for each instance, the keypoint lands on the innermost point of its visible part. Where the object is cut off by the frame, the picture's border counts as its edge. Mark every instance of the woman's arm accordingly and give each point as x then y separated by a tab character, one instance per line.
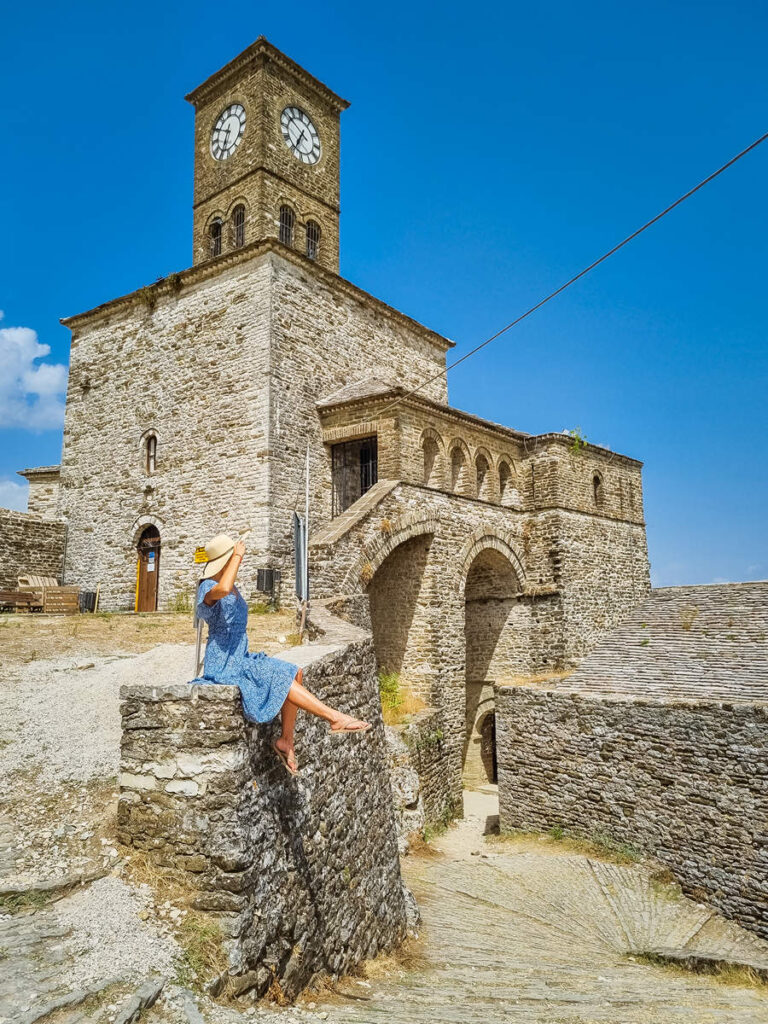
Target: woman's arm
228	576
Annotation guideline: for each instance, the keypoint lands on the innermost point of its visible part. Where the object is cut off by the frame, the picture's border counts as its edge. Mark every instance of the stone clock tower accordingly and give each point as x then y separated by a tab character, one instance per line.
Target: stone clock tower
266	158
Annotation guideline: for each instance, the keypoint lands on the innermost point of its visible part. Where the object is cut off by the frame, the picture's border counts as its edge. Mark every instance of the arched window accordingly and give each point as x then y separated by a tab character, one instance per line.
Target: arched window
431	461
458	465
505	485
150	453
313	239
481	472
216	237
287	219
597	489
238	225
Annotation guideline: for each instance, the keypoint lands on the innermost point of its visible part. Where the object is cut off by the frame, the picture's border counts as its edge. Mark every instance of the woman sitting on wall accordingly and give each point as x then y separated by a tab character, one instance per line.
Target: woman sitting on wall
267	685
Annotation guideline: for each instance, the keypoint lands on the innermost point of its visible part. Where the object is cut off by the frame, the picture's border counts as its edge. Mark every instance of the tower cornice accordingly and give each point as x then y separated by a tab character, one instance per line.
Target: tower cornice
263	51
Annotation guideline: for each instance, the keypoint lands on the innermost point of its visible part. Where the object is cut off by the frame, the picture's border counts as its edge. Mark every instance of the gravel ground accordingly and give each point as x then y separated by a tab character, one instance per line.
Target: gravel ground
108	938
62	721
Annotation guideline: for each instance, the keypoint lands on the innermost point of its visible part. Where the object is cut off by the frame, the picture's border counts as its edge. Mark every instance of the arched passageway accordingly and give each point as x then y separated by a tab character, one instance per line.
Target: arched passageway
400	604
494	642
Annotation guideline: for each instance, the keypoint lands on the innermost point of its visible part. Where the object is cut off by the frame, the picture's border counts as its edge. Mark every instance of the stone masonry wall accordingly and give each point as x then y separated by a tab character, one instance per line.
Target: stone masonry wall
424	736
194	368
599	566
428	443
323	338
43	496
224	366
302	874
29	544
686	782
578	574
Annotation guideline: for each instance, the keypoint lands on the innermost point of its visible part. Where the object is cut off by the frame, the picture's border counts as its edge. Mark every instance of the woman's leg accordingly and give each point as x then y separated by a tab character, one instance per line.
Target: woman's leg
285	743
300	697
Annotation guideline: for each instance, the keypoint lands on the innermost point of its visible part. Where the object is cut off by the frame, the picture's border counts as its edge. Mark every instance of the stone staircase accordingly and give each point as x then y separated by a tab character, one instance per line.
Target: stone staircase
342	524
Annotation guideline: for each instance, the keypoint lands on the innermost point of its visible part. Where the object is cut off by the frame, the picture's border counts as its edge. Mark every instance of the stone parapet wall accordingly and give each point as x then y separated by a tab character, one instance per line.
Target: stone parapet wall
687	782
29	545
424	737
302	874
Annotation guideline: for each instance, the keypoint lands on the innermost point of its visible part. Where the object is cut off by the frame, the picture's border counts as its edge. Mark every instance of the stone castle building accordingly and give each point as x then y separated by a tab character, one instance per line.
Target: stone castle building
473	551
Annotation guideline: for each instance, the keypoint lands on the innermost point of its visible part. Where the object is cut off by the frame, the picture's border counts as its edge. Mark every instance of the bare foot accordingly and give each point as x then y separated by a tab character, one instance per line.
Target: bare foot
346	723
286	749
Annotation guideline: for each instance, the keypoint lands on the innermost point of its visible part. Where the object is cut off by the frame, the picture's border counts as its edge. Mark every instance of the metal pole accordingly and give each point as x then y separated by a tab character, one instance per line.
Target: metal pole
306	528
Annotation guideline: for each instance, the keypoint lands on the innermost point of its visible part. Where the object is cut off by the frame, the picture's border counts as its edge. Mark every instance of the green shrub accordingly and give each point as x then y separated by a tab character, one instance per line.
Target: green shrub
181	602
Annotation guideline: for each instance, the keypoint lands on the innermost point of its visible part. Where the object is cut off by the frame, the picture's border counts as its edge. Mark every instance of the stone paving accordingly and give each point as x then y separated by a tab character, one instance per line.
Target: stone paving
546	937
512	931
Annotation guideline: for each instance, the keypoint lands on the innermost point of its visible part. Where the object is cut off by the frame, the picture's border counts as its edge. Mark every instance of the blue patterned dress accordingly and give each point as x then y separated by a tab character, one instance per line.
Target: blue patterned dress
264	682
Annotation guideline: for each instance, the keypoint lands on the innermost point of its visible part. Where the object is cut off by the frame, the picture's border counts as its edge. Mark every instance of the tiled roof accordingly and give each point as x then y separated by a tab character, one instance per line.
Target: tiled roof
702	643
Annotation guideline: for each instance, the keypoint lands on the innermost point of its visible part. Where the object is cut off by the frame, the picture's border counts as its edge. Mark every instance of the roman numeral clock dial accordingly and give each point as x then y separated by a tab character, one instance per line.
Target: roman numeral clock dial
228	132
300	135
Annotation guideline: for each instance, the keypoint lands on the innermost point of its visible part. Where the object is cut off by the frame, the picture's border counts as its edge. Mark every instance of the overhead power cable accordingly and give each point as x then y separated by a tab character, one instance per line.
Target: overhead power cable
581	274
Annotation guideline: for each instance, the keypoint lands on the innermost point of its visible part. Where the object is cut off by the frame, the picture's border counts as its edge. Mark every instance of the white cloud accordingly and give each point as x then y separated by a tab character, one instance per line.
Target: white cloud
13	495
31	392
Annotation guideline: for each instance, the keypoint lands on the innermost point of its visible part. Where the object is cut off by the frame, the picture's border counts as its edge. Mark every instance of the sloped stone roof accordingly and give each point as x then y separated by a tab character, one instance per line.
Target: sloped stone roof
38	471
371	387
705	643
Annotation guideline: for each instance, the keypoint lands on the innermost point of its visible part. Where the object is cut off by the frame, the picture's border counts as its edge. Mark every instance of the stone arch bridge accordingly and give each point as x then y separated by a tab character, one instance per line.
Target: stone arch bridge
459	595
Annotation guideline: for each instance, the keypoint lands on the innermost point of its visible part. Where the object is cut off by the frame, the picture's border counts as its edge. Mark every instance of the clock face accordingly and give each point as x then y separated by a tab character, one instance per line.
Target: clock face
300	135
228	131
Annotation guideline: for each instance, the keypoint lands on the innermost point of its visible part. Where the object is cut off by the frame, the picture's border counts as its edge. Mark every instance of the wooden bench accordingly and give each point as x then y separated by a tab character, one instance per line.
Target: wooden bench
50	597
20	601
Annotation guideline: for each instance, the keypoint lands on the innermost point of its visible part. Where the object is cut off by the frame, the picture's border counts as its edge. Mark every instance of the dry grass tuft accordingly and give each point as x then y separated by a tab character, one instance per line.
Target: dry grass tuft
406	958
398	702
721	971
688	616
558	840
537	678
198	933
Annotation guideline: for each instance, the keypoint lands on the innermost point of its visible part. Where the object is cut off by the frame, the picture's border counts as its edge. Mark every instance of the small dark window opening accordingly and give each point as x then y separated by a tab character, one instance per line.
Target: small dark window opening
597	487
151	454
313	239
354	470
238	222
287	219
216	238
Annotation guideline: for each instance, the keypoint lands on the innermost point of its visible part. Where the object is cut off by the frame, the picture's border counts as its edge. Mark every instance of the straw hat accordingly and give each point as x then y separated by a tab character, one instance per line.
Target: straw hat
218	552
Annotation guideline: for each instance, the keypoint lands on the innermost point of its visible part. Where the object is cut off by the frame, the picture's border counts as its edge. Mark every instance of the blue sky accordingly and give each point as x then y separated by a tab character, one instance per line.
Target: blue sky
490	152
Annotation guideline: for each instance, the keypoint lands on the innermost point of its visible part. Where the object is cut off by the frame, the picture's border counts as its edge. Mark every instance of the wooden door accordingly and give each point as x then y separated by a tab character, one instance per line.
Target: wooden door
148	570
